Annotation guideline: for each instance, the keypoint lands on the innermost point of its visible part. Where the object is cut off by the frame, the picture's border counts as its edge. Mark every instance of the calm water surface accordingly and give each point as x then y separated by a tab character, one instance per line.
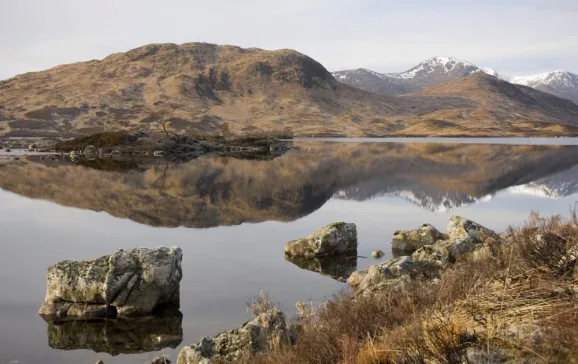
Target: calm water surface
232	218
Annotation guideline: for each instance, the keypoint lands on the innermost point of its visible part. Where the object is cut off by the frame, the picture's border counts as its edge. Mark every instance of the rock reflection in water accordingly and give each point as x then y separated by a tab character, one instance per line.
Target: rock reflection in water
131	336
338	268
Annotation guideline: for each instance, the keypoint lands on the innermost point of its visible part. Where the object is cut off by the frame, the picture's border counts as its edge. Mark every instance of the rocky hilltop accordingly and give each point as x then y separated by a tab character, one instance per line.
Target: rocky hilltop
200	88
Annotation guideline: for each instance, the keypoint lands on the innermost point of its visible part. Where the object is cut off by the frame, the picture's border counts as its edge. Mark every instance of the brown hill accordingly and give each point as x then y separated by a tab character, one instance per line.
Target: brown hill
206	88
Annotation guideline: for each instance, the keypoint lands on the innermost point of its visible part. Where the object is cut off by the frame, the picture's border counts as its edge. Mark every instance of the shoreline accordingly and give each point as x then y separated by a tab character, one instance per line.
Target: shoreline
459	307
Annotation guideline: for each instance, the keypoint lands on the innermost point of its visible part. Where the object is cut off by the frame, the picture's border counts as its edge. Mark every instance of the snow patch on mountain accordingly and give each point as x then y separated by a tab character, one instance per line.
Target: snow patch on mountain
436	64
491	72
561	78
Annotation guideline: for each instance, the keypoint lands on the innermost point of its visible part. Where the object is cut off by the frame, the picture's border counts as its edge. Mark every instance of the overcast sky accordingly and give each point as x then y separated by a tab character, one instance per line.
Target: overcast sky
522	37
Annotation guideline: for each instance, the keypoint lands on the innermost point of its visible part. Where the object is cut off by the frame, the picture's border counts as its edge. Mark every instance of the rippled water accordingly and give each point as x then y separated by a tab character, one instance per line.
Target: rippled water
232	218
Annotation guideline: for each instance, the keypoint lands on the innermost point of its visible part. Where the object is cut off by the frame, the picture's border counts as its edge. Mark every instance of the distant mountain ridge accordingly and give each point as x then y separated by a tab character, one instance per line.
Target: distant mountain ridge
437	70
428	73
560	83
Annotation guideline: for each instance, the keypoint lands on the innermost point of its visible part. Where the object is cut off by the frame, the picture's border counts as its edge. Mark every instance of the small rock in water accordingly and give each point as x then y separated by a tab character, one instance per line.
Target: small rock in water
377	254
335	239
99	362
160	360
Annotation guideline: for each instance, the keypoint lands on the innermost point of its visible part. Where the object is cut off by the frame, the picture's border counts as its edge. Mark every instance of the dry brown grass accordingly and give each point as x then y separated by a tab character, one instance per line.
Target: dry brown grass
518	305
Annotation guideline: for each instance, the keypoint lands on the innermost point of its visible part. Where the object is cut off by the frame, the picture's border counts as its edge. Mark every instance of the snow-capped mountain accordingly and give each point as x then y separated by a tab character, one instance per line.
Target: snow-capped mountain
428	73
560	83
378	83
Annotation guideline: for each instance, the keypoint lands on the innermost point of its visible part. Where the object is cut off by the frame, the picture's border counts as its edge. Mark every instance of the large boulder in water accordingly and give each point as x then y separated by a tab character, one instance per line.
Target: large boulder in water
339	238
235	345
412	240
124	284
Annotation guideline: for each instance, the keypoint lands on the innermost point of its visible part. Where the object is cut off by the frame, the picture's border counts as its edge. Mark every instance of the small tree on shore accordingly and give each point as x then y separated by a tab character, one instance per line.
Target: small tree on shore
162	117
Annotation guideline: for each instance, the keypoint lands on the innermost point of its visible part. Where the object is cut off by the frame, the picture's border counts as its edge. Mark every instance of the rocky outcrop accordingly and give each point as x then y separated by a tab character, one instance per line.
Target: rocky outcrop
124	284
234	345
381	273
460	229
339	238
437	254
118	336
338	268
465	239
412	240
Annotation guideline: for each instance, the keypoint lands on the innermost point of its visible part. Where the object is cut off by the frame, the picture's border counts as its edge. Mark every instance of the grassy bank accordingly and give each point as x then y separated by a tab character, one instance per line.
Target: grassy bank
518	306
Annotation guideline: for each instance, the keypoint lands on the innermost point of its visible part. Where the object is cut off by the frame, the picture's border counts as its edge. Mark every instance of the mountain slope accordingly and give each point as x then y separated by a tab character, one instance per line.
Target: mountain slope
204	86
379	83
207	88
428	73
560	83
499	103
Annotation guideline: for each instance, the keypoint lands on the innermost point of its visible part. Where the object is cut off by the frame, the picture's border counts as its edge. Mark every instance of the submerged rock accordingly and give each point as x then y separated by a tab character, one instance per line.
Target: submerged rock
230	346
412	240
160	360
339	238
124	284
338	268
118	336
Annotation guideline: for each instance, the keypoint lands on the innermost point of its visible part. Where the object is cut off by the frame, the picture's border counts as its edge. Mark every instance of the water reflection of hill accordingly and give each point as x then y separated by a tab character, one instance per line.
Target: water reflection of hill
223	191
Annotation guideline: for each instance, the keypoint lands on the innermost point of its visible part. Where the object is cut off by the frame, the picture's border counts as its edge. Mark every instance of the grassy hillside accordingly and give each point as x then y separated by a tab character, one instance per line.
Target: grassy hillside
200	88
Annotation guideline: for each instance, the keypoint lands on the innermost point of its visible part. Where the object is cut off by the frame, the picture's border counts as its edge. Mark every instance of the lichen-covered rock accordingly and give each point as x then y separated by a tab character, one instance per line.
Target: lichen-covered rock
437	254
412	240
356	278
376	254
124	284
377	274
234	345
460	228
334	239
